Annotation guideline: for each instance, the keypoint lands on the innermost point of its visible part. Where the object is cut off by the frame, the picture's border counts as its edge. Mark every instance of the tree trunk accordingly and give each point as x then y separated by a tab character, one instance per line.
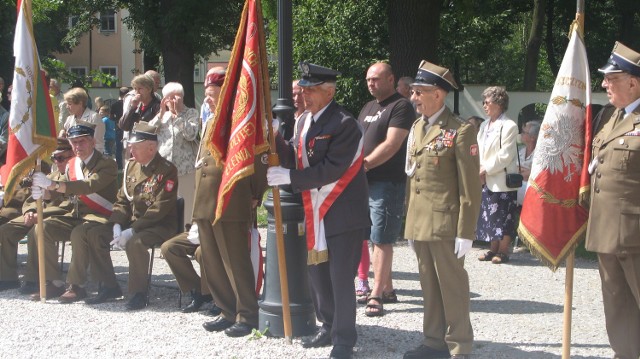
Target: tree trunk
551	50
533	46
178	61
413	34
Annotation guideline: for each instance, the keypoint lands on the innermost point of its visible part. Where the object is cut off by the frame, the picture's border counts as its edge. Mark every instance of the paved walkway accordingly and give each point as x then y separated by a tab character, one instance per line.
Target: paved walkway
517	312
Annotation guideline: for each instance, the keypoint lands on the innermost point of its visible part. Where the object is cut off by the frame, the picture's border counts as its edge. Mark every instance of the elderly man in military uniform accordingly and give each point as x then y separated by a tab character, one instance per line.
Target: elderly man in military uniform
226	260
444	202
12	232
615	178
324	161
144	214
90	180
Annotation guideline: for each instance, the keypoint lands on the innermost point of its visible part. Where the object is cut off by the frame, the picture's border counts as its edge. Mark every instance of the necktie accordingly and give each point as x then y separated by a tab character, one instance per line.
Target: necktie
620	116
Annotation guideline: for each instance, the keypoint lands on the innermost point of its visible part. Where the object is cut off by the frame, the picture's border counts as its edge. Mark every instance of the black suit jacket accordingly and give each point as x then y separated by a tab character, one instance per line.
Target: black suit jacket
331	142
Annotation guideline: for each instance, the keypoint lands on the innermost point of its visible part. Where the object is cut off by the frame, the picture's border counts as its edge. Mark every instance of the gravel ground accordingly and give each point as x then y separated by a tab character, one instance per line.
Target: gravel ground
516	312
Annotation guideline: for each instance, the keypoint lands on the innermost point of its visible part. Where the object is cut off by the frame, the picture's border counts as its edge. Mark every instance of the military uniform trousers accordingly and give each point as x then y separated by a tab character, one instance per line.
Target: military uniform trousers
228	270
91	248
10	235
55	228
137	249
445	289
332	290
176	252
620	275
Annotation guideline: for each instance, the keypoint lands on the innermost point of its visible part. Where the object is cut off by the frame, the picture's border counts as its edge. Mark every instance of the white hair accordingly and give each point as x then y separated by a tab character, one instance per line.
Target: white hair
172	87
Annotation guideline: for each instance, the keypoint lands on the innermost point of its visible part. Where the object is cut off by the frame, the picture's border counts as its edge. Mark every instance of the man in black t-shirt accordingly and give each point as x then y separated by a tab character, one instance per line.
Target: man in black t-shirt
386	121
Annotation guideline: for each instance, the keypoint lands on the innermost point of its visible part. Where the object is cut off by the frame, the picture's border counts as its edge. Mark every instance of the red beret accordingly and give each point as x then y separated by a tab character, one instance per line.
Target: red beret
214	80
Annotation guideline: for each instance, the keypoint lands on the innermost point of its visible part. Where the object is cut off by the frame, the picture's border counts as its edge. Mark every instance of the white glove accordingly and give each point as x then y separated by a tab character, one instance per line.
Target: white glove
41	180
36	192
125	236
462	246
193	235
1	198
117	231
275	124
278	176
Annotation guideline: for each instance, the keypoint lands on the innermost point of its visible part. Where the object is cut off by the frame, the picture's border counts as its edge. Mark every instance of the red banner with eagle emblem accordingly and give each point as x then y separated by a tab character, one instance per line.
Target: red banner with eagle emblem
552	222
238	130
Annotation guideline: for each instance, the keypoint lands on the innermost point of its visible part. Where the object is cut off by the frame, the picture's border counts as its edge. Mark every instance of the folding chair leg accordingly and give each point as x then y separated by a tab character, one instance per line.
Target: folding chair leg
61	244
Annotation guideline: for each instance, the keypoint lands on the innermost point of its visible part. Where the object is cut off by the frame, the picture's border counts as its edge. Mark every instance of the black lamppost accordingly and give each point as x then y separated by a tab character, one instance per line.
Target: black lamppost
303	320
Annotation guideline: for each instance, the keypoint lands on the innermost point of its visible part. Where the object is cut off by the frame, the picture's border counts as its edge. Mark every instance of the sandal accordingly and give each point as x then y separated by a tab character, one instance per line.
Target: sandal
500	258
374	309
364	299
362	288
390	297
487	256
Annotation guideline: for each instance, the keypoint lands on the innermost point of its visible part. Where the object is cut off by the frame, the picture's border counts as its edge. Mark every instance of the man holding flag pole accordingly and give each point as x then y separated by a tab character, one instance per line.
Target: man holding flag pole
613	230
31	120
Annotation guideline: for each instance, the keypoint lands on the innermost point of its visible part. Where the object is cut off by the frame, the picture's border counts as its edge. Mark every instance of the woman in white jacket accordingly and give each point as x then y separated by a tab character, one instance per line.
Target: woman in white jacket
498	156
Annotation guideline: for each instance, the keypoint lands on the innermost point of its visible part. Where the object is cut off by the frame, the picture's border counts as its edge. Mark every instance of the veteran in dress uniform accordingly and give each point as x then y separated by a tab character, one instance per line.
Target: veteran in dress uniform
444	203
145	213
12	232
90	180
324	161
226	260
615	199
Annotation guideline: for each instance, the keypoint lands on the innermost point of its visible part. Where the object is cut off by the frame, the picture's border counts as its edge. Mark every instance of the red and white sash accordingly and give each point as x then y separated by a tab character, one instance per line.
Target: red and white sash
93	200
317	202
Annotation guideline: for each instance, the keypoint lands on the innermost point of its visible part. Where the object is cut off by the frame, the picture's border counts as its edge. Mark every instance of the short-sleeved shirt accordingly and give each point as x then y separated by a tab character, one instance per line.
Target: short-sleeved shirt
376	118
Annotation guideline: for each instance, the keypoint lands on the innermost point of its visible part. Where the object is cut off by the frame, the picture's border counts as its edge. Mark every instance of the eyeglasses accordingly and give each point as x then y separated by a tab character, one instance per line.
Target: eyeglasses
59	158
420	92
609	79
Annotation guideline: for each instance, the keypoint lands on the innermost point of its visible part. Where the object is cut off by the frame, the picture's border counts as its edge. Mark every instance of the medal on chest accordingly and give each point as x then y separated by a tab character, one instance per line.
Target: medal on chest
310	146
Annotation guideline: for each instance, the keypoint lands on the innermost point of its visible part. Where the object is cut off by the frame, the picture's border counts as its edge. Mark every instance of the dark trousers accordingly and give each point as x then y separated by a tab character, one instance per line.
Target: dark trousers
332	289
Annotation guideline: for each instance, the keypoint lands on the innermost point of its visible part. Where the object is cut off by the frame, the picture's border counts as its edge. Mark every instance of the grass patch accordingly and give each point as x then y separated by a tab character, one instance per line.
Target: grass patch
262	212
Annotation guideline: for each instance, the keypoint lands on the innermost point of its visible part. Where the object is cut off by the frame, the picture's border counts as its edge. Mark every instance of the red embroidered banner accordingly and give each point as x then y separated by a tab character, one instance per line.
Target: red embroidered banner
239	128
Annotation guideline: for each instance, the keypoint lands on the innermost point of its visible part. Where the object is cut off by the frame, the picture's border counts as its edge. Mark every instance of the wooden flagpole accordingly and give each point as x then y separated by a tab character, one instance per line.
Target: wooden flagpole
571	258
40	239
277	209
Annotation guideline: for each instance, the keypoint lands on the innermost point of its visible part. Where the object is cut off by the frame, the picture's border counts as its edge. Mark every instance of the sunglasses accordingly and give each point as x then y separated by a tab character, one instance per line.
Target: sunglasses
59	158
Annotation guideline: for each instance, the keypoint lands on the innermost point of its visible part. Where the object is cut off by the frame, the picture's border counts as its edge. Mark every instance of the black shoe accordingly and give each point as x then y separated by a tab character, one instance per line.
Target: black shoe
138	301
197	300
29	288
321	339
425	352
239	329
9	284
105	294
217	325
341	352
214	311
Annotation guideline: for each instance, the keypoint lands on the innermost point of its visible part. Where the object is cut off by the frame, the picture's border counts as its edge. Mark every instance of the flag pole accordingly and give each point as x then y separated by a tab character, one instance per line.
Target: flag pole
277	208
40	239
571	257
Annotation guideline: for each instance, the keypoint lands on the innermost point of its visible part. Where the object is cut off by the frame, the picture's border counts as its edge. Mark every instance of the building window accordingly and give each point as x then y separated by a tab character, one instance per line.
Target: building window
111	78
80	72
108	21
73	20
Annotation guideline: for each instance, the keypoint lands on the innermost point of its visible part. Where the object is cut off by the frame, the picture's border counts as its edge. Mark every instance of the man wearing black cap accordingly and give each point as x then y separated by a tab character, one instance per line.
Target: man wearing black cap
90	180
444	202
324	161
13	231
615	170
144	215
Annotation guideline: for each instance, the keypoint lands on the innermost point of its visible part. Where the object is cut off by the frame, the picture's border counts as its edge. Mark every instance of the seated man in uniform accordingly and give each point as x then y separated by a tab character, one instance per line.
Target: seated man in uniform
12	232
91	181
144	214
176	252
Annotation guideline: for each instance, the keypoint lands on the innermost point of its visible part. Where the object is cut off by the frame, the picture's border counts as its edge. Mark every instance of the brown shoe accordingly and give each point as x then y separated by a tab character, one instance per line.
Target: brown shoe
52	292
73	294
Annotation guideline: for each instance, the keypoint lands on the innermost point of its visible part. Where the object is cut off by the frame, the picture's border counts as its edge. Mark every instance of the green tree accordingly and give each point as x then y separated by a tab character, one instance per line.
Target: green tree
181	32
